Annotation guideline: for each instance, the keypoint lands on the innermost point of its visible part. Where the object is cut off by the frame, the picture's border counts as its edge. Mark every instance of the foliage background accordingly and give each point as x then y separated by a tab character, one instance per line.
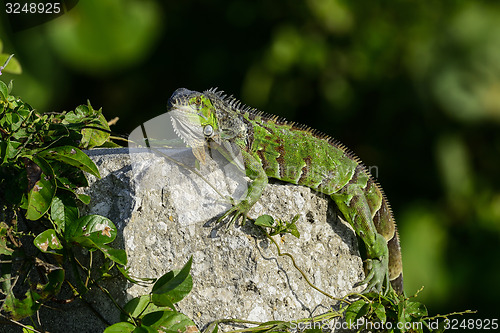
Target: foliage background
412	87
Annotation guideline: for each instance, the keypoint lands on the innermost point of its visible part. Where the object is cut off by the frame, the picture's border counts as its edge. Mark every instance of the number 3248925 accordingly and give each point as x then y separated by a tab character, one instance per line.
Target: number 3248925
33	8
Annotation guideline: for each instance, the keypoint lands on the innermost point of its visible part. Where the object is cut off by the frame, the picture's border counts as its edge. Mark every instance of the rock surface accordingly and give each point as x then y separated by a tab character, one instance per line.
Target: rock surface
165	214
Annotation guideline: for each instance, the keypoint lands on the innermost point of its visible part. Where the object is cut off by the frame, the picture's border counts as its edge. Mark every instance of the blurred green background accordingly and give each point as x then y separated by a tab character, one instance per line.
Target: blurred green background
412	87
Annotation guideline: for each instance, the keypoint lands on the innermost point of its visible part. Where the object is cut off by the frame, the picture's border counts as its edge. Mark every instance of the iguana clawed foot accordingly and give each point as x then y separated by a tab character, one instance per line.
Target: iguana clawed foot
239	210
377	278
378	275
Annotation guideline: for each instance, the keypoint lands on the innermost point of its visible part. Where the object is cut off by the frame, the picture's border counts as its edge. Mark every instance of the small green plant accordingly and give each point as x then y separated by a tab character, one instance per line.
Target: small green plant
278	227
156	312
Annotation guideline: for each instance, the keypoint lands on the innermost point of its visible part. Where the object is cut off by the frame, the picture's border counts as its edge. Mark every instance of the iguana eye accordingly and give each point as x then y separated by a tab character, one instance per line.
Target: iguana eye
198	103
208	131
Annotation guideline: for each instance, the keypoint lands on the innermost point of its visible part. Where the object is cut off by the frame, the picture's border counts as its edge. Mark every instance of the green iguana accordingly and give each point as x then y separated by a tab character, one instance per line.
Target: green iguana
274	147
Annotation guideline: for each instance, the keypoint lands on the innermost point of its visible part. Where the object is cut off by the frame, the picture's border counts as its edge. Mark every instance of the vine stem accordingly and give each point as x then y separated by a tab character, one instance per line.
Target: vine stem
104	290
270	325
460	313
281	254
94	311
15	322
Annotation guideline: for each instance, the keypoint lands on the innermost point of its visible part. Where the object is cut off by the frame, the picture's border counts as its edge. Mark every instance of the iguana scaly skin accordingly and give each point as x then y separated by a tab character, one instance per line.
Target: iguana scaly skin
274	147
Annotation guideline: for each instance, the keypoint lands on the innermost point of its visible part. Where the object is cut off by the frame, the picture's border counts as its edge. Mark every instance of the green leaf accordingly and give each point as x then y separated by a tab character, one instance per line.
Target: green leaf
4	248
415	309
4	91
63	211
69	178
57	214
212	328
140	306
163	300
53	287
170	280
402	317
379	310
41	195
85	110
292	229
19	309
122	327
92	137
74	117
264	221
147	329
4	151
8	150
169	321
175	295
352	313
72	156
48	242
97	228
92	232
83	198
117	255
136	306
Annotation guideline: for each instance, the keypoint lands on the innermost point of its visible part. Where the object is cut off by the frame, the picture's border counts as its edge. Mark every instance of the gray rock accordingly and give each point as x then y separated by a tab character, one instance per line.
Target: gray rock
165	214
169	216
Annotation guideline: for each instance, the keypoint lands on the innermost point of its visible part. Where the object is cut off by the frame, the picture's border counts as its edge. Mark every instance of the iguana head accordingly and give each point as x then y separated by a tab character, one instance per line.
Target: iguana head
193	115
193	119
199	118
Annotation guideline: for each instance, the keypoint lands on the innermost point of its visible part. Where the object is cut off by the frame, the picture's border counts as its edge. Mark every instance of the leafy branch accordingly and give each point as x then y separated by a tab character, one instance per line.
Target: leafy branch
42	165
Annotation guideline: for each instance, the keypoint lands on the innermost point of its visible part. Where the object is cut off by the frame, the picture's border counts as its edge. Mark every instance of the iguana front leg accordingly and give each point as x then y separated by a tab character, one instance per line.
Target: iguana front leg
354	206
258	177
